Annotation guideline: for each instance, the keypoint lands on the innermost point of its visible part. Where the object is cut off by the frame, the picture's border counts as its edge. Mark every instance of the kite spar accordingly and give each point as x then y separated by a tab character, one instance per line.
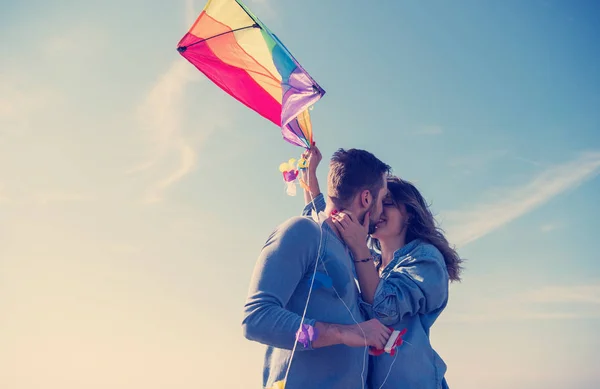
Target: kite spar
235	50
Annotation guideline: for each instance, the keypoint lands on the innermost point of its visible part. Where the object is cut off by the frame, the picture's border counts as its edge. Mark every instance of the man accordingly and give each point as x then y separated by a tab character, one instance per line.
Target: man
330	351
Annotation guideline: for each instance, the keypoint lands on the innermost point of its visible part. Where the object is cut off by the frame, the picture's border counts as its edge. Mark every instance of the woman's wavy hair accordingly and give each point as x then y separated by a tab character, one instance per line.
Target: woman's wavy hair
422	225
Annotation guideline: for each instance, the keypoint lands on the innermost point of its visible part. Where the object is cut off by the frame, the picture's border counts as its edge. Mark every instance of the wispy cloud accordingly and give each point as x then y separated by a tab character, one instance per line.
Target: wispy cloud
548	227
552	302
529	161
589	294
264	8
468	164
164	118
477	159
161	116
190	12
187	160
467	225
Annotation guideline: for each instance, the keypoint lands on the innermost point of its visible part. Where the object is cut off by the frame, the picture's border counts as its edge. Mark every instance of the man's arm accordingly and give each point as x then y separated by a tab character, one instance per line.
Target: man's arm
289	253
283	262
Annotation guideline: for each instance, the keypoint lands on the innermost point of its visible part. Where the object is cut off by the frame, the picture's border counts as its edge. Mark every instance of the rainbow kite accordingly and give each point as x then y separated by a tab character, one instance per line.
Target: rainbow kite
234	49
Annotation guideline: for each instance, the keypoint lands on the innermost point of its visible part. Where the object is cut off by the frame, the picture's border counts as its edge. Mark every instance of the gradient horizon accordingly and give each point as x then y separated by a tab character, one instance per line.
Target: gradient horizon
135	195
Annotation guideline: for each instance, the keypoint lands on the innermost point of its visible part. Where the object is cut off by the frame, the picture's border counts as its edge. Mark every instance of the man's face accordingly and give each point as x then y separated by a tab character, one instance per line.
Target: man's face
376	207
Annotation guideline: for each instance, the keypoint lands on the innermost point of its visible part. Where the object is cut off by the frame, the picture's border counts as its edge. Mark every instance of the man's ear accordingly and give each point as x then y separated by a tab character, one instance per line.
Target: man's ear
366	199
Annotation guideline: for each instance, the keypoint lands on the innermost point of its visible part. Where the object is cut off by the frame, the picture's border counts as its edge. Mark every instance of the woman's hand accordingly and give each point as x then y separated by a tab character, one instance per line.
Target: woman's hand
354	233
309	175
313	157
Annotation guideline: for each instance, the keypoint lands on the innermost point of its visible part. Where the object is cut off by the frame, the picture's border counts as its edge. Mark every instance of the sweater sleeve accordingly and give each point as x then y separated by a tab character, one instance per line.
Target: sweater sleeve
285	259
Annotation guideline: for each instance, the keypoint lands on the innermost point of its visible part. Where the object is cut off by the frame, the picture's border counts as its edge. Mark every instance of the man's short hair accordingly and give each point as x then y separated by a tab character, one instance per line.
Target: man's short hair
352	171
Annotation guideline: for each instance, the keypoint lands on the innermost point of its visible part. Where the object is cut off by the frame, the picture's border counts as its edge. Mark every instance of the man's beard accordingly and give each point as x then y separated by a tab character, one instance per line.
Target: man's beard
372	224
372	227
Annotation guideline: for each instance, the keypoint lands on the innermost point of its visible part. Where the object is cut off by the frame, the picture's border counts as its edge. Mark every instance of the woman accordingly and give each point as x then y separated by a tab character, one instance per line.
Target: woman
403	270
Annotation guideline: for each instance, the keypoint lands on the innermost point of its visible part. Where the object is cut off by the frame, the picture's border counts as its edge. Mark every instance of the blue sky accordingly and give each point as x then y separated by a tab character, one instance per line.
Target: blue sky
135	195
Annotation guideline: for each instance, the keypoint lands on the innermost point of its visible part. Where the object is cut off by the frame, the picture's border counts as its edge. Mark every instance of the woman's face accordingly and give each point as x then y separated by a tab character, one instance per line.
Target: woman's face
393	221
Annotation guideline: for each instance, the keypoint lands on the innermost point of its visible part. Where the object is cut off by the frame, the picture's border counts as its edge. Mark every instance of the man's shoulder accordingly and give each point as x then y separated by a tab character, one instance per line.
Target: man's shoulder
301	226
297	234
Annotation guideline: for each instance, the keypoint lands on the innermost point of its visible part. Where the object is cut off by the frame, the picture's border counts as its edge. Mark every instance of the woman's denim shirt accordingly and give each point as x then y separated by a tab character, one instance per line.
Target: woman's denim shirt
411	294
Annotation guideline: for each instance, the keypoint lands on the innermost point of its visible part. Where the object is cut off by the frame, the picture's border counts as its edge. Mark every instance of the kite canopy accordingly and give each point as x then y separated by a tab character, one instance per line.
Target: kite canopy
234	49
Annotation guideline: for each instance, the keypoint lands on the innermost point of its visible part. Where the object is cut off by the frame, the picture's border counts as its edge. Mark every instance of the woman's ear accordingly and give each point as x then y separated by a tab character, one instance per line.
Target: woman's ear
408	215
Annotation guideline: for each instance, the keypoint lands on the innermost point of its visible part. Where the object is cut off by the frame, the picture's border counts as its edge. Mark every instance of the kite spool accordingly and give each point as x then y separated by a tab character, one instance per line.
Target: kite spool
394	341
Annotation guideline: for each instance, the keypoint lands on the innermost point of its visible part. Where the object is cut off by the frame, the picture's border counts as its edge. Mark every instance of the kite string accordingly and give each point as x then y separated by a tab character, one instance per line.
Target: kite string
389	371
391	365
314	207
309	291
340	298
362	373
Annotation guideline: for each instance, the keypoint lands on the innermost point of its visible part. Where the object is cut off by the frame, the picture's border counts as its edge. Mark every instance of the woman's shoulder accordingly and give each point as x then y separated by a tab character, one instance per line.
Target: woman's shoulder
423	249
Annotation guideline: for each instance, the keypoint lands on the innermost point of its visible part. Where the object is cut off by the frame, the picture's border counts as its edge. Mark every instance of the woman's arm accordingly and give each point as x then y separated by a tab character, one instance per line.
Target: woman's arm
417	285
368	277
355	236
310	178
309	175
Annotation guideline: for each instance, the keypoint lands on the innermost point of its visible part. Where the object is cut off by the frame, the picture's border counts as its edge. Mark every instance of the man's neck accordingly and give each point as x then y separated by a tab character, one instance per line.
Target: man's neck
330	208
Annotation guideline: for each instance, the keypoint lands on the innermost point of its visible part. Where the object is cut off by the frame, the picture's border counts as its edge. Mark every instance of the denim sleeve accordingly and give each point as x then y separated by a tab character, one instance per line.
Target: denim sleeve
417	285
365	307
319	201
289	253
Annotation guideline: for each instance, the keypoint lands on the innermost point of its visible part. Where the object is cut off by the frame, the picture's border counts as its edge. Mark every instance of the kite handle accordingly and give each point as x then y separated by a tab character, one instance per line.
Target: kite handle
395	340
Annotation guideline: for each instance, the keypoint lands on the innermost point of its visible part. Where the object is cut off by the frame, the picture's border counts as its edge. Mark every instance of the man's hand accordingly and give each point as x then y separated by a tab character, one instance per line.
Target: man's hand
370	333
375	334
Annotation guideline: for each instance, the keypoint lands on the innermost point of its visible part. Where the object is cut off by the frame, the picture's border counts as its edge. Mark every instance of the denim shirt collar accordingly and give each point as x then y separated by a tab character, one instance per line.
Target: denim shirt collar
401	252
